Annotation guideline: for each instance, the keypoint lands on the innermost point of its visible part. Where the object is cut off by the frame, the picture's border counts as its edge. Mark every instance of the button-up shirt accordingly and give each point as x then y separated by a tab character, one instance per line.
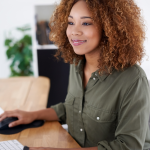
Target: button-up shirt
112	112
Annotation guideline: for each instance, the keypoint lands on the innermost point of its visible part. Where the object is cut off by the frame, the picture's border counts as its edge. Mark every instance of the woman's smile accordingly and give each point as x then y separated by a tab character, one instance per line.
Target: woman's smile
78	42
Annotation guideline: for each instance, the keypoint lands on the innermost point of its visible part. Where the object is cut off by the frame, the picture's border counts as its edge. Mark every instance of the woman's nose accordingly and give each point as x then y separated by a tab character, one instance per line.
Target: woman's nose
76	32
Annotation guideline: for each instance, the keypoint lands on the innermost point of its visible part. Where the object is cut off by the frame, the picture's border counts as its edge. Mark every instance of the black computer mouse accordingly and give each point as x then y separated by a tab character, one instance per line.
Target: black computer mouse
4	124
4	128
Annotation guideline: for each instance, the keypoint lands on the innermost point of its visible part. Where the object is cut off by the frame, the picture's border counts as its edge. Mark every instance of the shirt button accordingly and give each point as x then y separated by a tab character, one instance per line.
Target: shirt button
81	130
97	118
96	74
93	78
79	111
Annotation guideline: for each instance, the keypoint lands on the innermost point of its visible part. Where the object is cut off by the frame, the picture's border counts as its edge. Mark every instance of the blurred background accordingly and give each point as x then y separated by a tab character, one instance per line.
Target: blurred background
25	49
24	42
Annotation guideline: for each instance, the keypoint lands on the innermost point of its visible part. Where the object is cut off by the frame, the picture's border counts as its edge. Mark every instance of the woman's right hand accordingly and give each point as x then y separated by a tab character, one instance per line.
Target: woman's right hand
24	117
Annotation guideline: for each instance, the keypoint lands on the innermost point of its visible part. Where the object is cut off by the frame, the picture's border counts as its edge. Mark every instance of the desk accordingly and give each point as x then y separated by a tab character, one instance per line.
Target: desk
30	94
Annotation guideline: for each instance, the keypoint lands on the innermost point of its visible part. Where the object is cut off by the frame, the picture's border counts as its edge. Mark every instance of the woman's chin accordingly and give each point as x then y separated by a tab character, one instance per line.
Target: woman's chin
79	53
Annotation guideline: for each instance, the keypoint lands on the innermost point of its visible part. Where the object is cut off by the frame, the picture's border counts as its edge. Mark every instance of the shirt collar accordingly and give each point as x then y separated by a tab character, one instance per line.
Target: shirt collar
79	69
80	65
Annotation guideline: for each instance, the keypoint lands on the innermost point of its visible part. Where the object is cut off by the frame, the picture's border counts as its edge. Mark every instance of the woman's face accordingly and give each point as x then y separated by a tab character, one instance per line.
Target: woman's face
81	31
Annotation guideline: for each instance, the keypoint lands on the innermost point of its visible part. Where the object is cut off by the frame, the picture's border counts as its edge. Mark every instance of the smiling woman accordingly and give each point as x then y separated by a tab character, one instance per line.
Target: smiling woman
107	106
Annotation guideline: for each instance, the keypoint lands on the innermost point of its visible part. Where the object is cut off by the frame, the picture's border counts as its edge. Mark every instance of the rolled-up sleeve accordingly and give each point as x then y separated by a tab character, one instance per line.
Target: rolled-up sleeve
133	119
60	111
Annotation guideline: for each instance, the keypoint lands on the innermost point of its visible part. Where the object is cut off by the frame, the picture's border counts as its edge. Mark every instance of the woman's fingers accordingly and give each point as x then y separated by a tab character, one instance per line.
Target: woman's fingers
1	115
2	118
4	115
15	123
8	114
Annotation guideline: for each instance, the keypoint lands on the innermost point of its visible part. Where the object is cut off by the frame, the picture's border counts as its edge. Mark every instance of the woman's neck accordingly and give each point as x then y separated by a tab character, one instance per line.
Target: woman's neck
91	63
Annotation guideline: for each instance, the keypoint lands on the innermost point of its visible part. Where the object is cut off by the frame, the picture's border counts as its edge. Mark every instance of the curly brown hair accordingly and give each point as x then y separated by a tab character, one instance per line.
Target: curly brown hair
123	32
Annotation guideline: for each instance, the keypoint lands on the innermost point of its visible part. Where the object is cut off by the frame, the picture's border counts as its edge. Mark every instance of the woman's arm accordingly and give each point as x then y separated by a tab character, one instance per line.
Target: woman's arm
47	114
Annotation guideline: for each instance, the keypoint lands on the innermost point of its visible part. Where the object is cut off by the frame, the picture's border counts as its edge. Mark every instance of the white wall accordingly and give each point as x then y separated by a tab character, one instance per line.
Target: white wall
16	13
144	5
43	12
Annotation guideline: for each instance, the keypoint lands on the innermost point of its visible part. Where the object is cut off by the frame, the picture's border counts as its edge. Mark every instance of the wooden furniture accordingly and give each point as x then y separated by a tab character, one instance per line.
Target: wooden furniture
30	93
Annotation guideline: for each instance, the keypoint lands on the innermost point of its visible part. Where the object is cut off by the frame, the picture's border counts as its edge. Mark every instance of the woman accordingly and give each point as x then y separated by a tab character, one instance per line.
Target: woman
108	101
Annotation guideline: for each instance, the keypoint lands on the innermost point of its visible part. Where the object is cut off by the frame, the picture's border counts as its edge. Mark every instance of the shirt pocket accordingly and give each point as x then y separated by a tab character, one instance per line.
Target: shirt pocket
100	125
99	115
69	102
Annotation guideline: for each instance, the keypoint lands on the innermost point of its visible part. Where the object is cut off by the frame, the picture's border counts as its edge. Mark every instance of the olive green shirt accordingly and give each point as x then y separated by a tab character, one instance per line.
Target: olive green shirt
112	112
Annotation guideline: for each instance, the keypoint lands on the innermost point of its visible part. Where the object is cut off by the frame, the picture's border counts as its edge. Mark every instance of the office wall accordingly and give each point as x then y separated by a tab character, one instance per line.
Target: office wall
15	13
144	5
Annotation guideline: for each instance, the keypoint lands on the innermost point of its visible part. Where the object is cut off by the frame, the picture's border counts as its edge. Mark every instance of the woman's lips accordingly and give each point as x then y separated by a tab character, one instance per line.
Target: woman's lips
77	42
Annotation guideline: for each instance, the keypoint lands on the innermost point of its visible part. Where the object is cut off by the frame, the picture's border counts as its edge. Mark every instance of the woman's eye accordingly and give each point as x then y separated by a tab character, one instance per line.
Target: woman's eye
86	24
70	23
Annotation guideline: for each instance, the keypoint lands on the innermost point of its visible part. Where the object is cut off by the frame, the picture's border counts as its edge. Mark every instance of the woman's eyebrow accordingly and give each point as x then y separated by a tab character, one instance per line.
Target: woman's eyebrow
81	17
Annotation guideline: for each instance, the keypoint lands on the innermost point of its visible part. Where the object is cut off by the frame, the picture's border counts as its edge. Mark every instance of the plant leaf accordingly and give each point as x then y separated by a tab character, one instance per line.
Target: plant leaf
24	28
27	39
7	42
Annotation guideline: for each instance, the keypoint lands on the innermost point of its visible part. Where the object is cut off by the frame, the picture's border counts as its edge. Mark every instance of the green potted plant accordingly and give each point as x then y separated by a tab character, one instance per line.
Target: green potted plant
20	52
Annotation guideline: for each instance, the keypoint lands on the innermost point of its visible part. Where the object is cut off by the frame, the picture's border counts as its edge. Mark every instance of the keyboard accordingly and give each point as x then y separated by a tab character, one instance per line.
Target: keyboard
11	145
